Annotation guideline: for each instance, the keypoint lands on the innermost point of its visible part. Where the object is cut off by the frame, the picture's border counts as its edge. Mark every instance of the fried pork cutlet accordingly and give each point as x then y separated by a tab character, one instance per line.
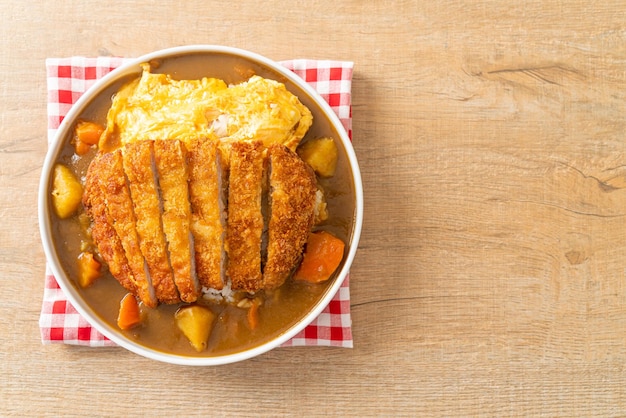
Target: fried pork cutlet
141	173
206	192
292	189
120	208
164	225
102	231
171	163
245	219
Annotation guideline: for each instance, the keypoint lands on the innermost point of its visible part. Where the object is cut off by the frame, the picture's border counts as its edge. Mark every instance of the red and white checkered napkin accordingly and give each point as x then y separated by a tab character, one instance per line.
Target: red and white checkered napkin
69	78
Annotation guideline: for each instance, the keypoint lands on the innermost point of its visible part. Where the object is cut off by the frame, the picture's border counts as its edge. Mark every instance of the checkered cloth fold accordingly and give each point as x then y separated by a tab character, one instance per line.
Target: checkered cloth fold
68	78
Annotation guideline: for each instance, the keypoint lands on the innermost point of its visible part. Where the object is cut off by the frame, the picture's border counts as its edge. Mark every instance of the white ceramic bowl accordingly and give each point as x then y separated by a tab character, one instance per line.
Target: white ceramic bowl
227	63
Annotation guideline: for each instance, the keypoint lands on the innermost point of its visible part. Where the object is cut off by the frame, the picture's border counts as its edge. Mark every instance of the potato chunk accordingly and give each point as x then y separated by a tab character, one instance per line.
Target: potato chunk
321	155
67	191
196	322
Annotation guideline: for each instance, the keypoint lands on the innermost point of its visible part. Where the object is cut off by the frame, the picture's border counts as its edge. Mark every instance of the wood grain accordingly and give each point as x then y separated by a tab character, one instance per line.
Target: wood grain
490	276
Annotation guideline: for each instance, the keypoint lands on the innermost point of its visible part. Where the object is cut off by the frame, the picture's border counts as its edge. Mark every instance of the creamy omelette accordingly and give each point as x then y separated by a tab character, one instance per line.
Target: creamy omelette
155	106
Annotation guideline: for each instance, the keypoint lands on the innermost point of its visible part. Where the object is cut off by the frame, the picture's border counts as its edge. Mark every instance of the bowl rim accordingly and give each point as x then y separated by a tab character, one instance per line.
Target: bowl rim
45	225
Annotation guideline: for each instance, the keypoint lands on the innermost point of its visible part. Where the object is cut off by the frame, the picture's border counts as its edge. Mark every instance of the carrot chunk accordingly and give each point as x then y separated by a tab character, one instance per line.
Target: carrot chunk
81	148
129	315
89	132
322	256
253	314
88	269
86	134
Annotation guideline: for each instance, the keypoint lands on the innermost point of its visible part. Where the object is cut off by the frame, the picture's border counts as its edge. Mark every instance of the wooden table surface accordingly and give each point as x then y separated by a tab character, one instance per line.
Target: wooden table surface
490	278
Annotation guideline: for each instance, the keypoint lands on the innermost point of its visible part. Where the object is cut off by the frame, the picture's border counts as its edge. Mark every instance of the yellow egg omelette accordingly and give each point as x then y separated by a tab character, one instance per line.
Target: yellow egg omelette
155	106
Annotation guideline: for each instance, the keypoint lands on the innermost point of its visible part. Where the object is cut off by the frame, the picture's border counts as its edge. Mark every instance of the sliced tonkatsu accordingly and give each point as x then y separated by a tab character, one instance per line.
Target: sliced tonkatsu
291	197
173	175
172	219
140	170
208	212
119	205
102	231
245	218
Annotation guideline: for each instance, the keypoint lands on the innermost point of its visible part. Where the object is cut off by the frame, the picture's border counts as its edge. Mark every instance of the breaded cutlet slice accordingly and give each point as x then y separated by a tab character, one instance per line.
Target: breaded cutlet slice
141	173
102	231
120	208
292	189
206	192
245	219
171	162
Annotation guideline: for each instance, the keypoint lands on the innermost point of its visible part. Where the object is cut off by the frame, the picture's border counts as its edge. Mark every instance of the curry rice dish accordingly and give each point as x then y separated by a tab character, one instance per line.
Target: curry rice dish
219	218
